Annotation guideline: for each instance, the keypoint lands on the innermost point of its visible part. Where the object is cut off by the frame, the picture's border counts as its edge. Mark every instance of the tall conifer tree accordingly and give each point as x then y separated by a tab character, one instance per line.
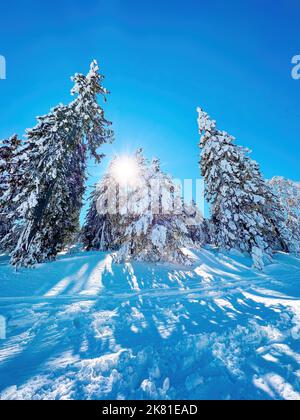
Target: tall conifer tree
55	163
244	212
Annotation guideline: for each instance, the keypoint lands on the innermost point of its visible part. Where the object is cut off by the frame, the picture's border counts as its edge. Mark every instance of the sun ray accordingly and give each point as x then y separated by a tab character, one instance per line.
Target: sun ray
126	171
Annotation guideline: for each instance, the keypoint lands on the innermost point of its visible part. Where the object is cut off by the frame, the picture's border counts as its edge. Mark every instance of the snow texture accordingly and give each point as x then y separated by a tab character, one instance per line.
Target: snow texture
83	327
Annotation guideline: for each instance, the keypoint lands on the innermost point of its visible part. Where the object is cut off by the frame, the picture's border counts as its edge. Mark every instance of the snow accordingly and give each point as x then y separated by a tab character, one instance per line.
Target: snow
159	236
84	327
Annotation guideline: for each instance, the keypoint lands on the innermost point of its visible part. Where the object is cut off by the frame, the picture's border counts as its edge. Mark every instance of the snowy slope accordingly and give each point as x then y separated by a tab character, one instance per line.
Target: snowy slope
84	328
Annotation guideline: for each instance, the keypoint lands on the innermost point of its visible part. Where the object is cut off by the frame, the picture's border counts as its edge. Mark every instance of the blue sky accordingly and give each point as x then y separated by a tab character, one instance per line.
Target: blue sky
161	60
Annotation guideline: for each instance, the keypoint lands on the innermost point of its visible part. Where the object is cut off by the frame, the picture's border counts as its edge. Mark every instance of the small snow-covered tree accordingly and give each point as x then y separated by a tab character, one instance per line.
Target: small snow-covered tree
9	180
141	220
196	224
244	212
101	227
155	229
56	152
108	213
288	194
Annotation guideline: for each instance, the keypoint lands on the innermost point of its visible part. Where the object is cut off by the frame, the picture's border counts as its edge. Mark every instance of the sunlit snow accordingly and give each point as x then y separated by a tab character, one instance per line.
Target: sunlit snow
86	328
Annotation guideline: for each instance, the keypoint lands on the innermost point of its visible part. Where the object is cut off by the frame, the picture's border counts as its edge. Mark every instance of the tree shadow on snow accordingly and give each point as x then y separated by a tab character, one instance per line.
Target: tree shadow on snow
217	330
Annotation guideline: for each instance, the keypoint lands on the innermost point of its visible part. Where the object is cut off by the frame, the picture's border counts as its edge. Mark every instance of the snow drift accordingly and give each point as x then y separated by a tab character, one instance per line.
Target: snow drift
85	328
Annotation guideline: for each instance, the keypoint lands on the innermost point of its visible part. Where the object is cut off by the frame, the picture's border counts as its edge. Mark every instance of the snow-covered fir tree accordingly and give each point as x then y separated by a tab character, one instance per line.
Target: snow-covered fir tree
143	219
161	226
288	194
197	226
245	214
50	199
104	224
76	186
154	230
9	180
101	228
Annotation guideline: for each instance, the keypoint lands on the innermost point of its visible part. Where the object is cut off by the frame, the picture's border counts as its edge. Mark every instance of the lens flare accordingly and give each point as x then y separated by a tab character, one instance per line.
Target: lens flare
125	170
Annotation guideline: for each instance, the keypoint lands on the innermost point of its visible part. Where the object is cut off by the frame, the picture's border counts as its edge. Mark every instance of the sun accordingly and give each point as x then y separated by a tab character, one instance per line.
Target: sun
125	170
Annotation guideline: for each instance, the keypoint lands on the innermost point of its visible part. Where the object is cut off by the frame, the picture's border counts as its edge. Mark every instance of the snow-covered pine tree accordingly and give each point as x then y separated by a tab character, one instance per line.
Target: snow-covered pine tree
143	220
244	214
154	230
108	213
196	224
97	232
9	179
288	194
76	184
101	228
56	153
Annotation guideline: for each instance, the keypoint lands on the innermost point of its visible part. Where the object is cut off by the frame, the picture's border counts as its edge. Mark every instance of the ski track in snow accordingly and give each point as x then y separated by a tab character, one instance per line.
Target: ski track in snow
85	328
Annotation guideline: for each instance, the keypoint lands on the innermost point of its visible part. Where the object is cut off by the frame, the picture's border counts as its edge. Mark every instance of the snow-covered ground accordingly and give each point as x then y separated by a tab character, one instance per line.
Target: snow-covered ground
84	328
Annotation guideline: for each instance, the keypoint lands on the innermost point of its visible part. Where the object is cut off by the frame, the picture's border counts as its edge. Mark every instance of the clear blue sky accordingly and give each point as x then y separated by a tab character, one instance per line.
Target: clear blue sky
161	60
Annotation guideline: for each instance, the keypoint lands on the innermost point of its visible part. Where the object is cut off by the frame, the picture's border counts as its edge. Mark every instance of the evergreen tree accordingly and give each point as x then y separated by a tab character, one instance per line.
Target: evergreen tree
100	230
245	215
50	199
76	184
288	195
196	224
142	221
154	230
9	176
